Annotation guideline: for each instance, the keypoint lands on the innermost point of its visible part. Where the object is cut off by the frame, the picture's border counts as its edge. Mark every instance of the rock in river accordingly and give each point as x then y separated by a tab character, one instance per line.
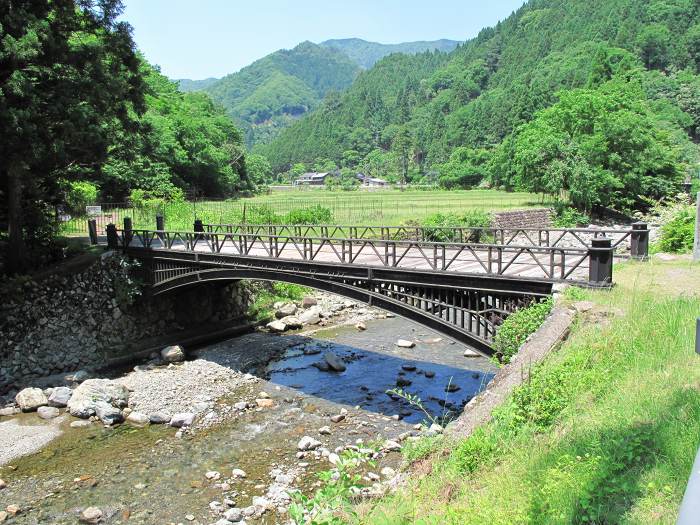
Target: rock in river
404	343
30	399
137	418
182	420
285	310
91	515
335	362
292	322
99	394
173	354
60	396
276	326
159	418
308	443
47	412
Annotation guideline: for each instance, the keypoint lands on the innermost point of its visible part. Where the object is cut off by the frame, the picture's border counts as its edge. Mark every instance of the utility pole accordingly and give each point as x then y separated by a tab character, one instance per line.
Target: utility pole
696	244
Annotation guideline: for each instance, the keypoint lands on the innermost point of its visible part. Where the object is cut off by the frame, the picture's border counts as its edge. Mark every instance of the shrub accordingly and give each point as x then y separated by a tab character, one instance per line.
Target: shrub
435	223
80	194
542	398
474	451
316	214
568	217
677	234
518	326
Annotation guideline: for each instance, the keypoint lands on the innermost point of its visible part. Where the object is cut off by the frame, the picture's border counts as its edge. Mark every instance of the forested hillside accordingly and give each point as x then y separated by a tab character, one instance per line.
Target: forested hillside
272	92
365	54
620	79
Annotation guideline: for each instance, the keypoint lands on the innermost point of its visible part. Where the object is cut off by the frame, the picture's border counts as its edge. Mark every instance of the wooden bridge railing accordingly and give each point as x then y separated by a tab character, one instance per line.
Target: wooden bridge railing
528	261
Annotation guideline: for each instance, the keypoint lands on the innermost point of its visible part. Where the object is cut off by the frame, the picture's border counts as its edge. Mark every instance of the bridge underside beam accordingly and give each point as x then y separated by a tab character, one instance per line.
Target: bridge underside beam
466	308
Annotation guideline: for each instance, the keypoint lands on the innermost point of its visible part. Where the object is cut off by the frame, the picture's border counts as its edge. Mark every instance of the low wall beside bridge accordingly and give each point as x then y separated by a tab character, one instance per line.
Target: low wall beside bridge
88	319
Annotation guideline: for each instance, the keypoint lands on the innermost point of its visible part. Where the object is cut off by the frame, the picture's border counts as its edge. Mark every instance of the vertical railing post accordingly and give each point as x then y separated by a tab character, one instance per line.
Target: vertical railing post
128	231
639	241
600	262
696	242
160	226
112	237
92	230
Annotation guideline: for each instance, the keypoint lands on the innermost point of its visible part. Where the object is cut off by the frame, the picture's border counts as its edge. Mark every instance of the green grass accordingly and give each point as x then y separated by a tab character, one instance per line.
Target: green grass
386	207
605	430
265	297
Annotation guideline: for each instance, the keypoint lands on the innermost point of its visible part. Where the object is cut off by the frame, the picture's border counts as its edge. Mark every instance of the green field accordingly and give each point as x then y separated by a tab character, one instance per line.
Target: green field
386	207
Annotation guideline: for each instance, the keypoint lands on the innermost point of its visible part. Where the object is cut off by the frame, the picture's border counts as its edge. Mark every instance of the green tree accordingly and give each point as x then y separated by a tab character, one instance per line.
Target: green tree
598	146
466	168
259	169
67	69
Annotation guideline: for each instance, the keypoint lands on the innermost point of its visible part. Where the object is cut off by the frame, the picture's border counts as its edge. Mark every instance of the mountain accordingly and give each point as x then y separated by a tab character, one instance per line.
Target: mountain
366	54
186	85
413	116
272	92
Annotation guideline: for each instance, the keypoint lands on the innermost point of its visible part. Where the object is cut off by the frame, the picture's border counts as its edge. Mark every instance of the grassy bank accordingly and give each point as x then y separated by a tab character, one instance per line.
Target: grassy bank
605	431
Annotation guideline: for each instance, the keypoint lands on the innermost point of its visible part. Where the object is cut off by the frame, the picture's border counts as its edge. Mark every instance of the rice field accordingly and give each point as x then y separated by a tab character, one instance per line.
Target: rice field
386	207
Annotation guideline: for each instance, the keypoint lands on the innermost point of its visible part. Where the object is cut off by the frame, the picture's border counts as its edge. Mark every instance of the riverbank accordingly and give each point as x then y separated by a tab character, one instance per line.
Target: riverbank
257	401
605	430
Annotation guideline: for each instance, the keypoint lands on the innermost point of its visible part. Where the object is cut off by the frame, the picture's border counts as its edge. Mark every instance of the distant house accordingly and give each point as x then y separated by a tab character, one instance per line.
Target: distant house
366	180
312	178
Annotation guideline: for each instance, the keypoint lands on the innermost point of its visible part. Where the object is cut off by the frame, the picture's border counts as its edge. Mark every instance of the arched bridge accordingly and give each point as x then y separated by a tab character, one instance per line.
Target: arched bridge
463	290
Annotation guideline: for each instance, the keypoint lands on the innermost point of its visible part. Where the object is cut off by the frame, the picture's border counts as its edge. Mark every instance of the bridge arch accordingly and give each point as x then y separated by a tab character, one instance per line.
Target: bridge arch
440	320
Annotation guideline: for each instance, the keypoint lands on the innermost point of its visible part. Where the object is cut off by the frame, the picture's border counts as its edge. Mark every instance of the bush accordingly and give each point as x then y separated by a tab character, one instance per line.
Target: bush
518	326
568	217
474	451
80	194
316	214
435	223
677	234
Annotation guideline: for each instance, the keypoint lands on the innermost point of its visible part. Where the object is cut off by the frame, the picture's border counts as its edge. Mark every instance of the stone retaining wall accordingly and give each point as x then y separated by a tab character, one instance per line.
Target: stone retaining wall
532	218
79	321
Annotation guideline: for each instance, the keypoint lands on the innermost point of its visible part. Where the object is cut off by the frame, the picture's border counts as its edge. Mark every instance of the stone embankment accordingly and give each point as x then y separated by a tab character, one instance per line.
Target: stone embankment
80	321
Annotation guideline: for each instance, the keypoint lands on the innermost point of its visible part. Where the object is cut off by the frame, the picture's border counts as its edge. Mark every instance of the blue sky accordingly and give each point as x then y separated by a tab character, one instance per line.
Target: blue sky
211	38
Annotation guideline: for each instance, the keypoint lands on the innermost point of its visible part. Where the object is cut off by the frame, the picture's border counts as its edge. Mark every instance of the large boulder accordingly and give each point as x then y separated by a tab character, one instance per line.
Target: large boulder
60	396
310	316
173	354
285	310
100	397
276	326
47	412
30	399
334	362
292	322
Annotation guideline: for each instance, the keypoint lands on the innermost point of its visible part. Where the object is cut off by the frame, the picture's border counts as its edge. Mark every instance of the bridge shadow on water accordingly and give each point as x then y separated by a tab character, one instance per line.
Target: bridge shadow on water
375	364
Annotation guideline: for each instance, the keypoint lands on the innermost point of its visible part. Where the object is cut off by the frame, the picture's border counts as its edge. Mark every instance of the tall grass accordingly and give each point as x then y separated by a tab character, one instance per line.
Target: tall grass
605	430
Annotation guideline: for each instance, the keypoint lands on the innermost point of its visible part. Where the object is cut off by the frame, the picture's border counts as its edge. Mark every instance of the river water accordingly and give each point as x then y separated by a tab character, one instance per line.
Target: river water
148	475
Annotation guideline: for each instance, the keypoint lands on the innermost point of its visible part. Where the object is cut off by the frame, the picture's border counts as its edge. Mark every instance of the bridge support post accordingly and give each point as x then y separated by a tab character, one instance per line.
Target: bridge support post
600	262
639	241
112	237
92	230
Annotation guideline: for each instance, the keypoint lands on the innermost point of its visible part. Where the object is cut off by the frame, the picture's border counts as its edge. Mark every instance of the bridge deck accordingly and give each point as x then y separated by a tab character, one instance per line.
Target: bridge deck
516	261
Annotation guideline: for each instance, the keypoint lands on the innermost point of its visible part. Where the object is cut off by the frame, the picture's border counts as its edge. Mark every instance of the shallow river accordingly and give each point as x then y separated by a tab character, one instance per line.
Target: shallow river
148	475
